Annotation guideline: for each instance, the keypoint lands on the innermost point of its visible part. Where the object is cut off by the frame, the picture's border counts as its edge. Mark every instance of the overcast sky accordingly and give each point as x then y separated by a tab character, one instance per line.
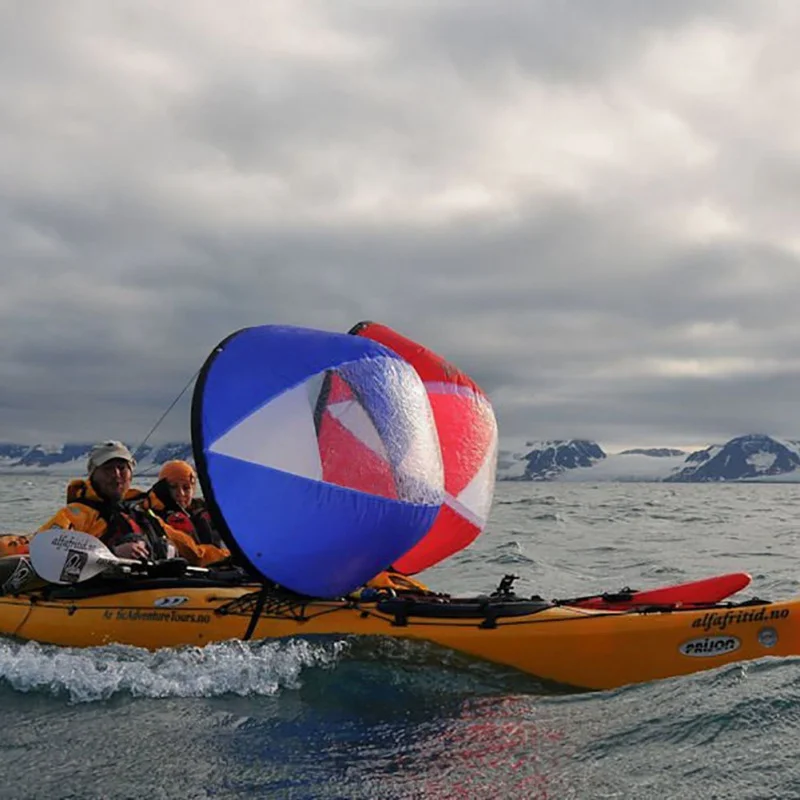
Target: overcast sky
591	207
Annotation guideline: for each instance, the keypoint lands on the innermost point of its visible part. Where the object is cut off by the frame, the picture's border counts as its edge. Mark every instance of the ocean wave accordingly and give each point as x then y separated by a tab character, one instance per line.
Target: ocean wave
508	553
753	694
547	517
227	668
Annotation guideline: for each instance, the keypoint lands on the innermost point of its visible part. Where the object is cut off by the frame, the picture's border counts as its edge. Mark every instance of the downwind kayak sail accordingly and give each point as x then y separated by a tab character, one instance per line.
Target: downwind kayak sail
467	431
266	471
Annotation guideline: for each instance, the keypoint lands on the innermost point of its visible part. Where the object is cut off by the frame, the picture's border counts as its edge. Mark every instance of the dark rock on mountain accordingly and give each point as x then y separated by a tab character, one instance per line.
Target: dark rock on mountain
548	459
699	456
41	456
745	457
73	457
169	452
13	452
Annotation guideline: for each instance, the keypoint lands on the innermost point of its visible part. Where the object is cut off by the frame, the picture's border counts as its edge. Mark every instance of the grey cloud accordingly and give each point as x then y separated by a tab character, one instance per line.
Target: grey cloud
169	178
562	40
720	409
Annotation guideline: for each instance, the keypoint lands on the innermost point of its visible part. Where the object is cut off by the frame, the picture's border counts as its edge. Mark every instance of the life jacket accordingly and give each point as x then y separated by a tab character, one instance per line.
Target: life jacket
194	520
389	579
126	520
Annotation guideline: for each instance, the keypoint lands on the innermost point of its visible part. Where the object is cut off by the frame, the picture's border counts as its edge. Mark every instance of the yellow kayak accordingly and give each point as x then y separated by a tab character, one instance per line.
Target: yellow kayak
578	648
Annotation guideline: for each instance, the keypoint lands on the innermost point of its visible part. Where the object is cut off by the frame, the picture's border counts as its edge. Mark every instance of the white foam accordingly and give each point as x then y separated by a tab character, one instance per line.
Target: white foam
98	673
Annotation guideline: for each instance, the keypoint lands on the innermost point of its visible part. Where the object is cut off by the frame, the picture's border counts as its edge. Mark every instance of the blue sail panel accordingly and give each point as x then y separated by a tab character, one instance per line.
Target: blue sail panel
315	538
260	363
318	456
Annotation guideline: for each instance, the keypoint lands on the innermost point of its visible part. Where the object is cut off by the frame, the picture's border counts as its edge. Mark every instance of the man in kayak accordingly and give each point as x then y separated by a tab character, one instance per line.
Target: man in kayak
172	498
105	506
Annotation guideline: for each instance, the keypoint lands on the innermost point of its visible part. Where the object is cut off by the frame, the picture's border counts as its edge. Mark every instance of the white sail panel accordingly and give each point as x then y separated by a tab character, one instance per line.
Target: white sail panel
280	435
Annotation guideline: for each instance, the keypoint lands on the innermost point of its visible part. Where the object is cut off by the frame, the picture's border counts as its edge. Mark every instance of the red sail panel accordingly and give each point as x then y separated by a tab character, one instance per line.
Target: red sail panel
430	366
465	424
467	432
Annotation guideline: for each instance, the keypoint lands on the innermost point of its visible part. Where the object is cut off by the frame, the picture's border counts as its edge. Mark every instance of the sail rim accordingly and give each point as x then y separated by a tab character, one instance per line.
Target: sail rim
201	462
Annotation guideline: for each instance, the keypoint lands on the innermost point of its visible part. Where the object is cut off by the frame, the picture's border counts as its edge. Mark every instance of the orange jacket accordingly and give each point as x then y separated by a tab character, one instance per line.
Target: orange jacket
79	516
388	579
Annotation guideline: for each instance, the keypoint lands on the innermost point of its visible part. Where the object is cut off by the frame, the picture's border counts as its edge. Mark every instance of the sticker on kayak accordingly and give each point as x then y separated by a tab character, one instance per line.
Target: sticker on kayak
710	646
768	637
19	577
73	565
171	602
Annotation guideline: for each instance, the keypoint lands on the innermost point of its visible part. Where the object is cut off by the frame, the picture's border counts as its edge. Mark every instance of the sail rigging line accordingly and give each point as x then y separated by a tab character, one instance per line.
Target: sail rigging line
163	416
257	609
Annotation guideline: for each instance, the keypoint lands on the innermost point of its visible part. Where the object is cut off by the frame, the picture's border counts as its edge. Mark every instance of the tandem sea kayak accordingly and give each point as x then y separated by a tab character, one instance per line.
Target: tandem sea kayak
575	647
170	605
325	457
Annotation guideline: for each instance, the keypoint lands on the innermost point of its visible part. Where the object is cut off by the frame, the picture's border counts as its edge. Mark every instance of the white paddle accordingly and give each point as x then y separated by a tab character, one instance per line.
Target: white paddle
65	557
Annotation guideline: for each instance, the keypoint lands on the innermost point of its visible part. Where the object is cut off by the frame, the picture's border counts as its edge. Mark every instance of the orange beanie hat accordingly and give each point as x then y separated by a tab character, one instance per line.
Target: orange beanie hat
175	471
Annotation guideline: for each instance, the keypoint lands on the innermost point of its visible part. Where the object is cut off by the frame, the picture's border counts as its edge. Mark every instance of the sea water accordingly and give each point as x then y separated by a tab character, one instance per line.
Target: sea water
347	718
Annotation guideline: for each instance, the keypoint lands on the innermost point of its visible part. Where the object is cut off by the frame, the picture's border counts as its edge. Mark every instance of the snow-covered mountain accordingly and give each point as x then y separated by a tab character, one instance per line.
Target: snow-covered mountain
542	461
582	460
71	458
753	457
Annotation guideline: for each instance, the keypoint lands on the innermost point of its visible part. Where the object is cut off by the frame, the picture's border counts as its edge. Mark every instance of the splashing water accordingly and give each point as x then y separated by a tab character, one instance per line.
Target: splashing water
227	668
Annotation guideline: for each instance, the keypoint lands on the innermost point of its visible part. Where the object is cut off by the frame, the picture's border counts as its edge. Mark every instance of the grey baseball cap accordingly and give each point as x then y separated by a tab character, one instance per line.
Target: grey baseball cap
105	452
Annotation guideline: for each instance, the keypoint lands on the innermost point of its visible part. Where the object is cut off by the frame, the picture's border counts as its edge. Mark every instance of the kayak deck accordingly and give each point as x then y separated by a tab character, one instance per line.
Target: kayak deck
581	648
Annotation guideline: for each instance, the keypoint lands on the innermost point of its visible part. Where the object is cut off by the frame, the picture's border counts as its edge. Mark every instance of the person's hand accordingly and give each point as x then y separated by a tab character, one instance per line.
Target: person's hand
134	550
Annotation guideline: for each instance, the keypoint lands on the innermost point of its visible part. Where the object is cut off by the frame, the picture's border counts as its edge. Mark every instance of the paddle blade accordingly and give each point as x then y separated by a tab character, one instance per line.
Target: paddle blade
66	557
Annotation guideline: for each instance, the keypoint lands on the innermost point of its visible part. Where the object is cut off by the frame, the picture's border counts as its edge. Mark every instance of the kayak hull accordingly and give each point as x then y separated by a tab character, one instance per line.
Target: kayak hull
579	648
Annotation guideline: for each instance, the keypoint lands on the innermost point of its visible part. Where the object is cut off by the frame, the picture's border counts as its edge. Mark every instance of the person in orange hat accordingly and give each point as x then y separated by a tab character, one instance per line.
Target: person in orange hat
172	499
